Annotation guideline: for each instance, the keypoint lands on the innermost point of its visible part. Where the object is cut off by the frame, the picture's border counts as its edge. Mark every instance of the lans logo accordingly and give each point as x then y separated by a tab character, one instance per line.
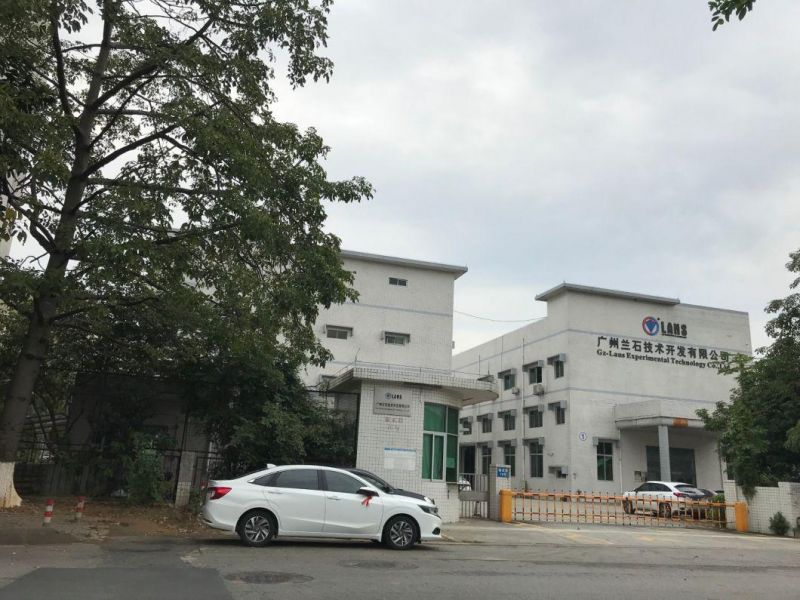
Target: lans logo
652	326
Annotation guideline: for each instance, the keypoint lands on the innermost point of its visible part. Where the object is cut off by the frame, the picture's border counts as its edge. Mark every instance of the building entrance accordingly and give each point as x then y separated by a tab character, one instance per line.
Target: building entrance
681	462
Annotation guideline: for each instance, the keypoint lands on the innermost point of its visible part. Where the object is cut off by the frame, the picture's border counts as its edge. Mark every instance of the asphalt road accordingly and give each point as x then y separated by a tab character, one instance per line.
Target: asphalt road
482	560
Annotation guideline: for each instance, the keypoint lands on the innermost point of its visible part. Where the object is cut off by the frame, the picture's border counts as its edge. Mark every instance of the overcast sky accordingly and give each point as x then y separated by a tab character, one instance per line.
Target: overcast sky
618	144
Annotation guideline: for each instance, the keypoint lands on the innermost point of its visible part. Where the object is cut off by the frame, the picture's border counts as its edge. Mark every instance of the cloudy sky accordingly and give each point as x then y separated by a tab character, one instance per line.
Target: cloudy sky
618	144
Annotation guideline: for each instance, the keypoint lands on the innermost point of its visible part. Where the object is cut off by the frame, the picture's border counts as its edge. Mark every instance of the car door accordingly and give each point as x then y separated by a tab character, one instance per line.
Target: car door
298	500
347	512
644	496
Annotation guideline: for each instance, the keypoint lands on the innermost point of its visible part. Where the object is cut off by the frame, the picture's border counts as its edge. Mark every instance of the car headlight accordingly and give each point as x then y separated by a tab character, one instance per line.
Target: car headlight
431	510
430	500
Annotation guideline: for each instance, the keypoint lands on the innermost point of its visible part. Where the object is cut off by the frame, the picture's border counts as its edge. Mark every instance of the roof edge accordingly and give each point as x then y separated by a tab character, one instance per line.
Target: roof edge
596	291
457	270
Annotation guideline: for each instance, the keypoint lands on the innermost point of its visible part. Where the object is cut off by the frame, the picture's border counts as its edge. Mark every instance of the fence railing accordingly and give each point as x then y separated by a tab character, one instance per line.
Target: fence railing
566	507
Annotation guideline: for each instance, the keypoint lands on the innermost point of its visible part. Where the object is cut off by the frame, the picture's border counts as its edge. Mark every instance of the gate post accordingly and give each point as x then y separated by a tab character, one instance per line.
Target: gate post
499	479
741	517
506	511
183	487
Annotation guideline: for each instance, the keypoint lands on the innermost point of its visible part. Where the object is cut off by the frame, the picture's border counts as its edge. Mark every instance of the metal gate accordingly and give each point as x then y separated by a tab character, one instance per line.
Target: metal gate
473	492
566	507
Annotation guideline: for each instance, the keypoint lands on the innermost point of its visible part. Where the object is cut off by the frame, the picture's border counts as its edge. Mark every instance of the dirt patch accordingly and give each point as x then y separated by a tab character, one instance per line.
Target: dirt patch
101	519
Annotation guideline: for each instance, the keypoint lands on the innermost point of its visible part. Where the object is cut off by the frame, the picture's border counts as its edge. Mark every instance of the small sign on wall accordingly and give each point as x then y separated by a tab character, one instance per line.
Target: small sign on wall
504	472
391	403
399	459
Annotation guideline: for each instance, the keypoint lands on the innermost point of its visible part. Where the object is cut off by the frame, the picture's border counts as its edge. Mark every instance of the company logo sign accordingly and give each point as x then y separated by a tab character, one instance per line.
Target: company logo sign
653	326
650	325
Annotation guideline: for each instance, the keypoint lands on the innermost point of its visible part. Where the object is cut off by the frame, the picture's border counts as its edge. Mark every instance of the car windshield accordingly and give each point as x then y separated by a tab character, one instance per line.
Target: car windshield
375	480
688	489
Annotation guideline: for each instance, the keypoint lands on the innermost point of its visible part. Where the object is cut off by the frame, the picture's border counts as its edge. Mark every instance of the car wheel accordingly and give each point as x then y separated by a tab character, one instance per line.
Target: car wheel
400	533
257	528
665	510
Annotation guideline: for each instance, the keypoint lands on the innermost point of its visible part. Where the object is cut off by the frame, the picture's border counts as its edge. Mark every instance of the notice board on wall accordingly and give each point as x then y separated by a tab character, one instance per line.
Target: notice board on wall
399	459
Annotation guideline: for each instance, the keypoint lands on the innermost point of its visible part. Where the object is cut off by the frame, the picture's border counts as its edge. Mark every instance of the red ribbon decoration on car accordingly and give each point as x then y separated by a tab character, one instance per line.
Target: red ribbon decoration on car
365	501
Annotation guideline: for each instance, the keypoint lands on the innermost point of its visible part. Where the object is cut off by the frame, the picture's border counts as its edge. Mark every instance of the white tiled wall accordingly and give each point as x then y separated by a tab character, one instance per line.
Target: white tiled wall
766	502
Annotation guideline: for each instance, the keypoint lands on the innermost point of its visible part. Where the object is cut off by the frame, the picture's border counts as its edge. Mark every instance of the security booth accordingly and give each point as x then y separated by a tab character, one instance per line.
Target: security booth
408	426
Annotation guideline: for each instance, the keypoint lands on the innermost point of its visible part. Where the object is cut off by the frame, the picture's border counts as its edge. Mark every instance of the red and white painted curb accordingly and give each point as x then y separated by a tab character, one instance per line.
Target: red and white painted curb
79	508
48	512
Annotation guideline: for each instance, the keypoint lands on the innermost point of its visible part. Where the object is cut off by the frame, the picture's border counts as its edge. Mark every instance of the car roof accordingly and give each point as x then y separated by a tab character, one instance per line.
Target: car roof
668	482
276	468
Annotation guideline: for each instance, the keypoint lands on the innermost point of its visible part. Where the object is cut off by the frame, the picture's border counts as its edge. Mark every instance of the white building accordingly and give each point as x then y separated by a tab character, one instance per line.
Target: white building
392	352
602	393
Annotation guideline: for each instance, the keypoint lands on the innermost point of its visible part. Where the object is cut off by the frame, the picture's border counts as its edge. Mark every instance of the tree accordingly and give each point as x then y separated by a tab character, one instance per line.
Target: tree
267	416
170	206
760	428
723	10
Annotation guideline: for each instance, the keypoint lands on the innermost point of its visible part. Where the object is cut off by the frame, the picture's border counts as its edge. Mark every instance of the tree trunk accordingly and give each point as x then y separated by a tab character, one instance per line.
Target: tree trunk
8	494
18	400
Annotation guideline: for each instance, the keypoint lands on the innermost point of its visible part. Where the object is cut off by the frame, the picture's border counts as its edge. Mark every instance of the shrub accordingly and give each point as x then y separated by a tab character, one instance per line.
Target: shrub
144	472
778	524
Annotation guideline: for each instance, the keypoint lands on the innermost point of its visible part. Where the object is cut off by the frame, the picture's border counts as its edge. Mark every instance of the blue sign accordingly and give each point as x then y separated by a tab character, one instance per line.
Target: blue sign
650	325
503	472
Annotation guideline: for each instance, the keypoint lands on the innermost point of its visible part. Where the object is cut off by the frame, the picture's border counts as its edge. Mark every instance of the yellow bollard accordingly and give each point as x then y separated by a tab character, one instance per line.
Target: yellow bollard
741	517
506	498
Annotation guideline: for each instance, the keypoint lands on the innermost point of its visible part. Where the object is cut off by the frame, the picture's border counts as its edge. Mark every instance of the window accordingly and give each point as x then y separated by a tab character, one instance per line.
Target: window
265	480
398	281
535	375
535	418
561	415
537	459
510	457
509	421
486	459
466	427
440	443
299	479
486	425
605	461
398	339
339	482
509	380
338	333
558	369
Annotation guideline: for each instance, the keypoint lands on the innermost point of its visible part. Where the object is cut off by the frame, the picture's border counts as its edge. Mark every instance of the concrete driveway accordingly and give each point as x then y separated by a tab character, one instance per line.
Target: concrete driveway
479	559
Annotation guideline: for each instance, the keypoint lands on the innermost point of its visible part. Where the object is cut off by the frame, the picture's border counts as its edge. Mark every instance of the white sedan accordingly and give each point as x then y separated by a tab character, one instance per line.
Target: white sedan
317	502
661	497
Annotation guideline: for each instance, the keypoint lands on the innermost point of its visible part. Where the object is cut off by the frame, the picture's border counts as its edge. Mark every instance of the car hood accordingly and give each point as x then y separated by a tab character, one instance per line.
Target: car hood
396	492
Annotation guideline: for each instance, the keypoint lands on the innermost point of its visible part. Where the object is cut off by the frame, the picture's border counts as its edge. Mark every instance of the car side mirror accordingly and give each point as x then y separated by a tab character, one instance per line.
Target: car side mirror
365	491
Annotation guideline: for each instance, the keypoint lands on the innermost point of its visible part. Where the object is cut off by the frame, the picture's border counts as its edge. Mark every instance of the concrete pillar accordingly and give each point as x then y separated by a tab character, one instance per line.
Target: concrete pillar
183	489
499	479
663	451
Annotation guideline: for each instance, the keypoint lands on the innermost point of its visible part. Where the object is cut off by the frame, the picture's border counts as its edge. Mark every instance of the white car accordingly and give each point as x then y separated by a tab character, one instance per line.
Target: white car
661	497
318	502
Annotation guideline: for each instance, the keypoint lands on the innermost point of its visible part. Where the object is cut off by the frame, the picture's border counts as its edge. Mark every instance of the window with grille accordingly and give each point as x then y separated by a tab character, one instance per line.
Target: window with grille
338	333
398	281
535	418
397	339
486	459
509	421
605	461
537	459
535	375
510	457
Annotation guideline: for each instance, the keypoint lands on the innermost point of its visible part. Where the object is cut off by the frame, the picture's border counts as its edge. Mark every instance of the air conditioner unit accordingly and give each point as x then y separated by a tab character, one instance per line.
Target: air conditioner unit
538	389
515	391
466	431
